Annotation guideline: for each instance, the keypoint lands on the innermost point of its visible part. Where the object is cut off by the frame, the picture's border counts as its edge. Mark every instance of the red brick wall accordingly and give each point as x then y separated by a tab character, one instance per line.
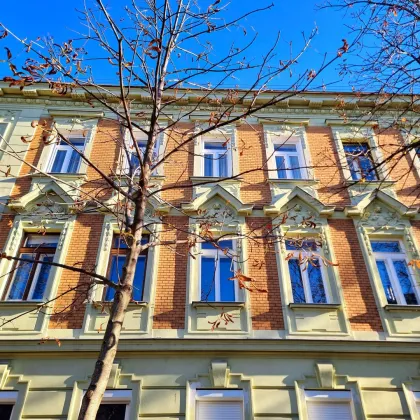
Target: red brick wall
266	308
32	157
178	168
360	303
331	188
6	223
252	157
172	276
401	167
84	246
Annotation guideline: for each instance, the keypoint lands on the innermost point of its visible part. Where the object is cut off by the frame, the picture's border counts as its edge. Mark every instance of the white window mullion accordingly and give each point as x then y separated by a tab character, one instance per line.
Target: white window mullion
395	280
306	285
217	277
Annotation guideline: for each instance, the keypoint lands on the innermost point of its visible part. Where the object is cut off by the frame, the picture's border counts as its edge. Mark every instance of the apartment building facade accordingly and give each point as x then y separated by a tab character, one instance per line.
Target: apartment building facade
335	341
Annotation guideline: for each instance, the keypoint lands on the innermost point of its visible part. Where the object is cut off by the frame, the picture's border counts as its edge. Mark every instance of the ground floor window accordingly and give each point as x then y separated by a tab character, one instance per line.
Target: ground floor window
329	405
215	404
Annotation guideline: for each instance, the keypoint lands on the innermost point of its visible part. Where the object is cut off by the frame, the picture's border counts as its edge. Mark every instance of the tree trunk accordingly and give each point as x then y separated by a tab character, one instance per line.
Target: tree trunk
94	394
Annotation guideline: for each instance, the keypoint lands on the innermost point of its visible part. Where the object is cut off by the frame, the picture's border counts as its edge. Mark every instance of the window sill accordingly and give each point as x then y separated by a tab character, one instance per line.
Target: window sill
283	181
320	306
100	303
210	179
200	304
21	303
63	176
407	308
376	184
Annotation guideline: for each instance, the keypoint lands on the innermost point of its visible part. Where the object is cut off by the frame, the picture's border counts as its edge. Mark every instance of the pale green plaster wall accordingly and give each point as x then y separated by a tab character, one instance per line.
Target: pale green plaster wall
164	380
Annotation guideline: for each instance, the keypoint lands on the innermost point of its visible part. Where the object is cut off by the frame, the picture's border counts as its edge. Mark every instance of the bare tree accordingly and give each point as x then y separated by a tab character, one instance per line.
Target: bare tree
165	50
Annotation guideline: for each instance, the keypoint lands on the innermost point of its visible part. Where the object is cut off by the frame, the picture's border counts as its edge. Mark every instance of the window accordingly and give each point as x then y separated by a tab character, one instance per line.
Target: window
7	402
288	161
134	159
115	405
214	404
359	159
65	159
394	273
305	271
216	159
117	260
217	268
28	280
329	405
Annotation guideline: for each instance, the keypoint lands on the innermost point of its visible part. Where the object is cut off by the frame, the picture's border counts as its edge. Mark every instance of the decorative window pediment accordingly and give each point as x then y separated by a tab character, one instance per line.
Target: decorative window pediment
49	200
282	202
218	203
376	206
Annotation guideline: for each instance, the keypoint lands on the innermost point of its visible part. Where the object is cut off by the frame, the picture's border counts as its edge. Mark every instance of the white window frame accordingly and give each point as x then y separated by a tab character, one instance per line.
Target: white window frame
305	276
217	253
219	395
356	168
140	138
343	134
286	156
69	150
286	135
9	398
36	274
216	162
388	257
335	396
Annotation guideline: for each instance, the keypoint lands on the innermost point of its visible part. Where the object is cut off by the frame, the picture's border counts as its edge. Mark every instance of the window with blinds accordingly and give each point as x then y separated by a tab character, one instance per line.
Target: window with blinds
223	404
329	405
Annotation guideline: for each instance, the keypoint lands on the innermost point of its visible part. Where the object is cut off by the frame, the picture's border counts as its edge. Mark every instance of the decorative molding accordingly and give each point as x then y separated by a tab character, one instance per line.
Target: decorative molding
219	373
325	373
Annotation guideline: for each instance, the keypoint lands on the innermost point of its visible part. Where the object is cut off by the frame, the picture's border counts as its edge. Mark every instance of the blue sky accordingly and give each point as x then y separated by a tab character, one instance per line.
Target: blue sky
58	18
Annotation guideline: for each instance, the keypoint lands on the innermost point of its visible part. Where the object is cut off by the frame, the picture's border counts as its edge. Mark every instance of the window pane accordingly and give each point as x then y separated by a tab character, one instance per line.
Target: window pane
359	161
214	146
21	277
41	277
286	148
227	287
117	264
223	244
223	165
208	165
208	272
405	282
382	246
295	166
366	166
386	282
58	161
138	284
74	163
43	241
6	411
296	280
111	412
316	283
300	245
281	168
